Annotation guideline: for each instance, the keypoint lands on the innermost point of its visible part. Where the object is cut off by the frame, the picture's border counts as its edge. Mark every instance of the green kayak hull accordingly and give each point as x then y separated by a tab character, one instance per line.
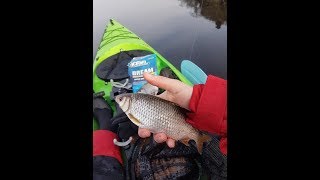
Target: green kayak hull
118	38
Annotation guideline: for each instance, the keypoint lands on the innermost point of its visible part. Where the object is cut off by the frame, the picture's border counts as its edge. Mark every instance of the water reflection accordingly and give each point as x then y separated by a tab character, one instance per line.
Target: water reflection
175	34
214	10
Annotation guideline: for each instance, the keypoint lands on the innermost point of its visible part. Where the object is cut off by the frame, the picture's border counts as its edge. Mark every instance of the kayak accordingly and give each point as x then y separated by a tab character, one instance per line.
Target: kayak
117	39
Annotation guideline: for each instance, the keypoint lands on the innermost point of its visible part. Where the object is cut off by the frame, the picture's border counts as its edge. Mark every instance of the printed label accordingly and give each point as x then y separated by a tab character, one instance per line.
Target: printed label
139	65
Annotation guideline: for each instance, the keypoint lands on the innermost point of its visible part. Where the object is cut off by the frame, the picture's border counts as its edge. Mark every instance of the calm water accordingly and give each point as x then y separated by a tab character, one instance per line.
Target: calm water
177	29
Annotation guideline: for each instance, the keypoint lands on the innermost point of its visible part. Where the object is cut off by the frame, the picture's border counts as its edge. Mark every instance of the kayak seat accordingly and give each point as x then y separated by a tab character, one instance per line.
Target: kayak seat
115	67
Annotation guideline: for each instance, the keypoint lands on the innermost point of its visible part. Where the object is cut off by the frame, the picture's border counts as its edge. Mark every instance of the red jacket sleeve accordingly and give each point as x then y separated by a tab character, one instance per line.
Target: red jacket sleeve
208	105
103	144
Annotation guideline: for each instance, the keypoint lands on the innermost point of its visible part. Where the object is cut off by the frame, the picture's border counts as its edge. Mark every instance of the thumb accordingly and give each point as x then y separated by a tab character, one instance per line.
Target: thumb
161	82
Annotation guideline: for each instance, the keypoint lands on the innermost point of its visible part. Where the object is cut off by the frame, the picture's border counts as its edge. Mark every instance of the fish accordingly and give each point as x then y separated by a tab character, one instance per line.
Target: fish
159	115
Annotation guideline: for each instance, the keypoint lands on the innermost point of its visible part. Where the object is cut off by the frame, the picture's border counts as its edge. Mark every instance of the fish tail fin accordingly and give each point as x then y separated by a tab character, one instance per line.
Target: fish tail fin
200	140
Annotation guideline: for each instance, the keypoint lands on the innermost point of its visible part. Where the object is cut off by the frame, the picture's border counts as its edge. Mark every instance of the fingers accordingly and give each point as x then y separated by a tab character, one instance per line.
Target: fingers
162	95
144	133
162	82
170	143
160	137
165	96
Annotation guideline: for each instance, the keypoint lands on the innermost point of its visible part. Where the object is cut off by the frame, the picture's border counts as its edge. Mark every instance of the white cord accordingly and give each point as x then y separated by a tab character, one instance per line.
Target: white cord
121	144
125	85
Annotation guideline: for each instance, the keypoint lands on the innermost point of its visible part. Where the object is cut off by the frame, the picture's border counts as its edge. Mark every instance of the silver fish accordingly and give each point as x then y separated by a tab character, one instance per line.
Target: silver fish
158	115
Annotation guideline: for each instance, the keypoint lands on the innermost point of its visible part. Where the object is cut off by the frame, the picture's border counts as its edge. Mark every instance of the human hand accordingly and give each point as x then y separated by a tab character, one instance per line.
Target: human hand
176	92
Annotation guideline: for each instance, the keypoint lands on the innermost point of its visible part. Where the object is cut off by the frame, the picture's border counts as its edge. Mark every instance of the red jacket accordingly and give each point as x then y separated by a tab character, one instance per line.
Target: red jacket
208	105
103	144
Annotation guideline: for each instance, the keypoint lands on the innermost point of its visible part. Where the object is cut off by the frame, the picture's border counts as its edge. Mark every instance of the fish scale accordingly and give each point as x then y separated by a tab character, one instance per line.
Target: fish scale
155	114
159	115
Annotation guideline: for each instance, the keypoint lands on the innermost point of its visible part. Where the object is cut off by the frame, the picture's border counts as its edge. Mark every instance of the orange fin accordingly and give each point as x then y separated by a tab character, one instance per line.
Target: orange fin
185	141
199	143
